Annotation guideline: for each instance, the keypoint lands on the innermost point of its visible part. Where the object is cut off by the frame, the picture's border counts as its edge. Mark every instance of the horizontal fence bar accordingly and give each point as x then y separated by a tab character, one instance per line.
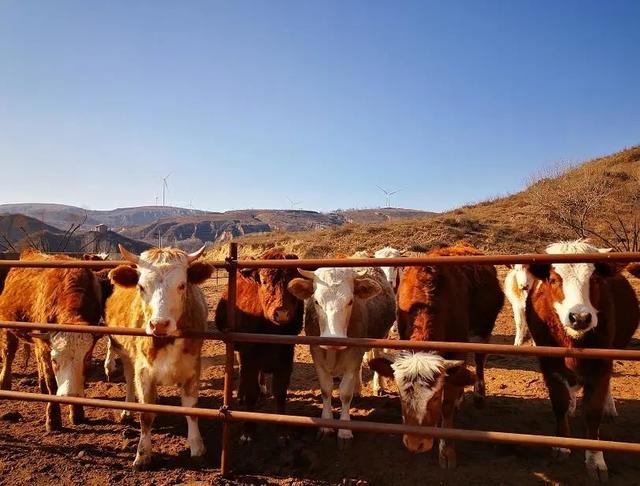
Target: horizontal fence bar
506	349
626	257
96	264
355	425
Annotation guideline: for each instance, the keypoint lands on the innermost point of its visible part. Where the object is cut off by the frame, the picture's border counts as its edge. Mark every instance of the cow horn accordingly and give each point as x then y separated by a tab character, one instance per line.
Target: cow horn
452	363
192	257
127	255
605	250
307	273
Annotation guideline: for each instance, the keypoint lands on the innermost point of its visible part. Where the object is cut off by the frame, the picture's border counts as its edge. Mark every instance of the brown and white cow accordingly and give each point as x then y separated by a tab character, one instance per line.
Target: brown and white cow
580	305
343	302
516	288
159	294
454	303
53	295
265	306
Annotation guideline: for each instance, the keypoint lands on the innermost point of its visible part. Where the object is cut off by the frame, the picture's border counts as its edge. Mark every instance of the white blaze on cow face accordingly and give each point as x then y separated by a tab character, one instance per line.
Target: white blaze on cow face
162	290
334	291
420	379
522	276
575	310
70	354
161	277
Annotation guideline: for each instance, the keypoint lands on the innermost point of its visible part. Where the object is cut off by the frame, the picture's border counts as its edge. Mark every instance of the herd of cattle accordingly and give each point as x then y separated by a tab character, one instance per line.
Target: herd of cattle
571	305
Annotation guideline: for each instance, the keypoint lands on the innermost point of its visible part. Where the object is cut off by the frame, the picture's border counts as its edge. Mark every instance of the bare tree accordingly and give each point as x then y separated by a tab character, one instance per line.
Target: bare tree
590	203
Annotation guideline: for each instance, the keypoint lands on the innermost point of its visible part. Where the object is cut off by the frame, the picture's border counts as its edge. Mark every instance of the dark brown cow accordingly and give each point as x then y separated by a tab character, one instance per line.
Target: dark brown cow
580	306
55	295
264	306
454	303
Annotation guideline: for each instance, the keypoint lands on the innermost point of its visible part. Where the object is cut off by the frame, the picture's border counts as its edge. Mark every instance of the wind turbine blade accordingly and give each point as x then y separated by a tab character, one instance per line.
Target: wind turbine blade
383	190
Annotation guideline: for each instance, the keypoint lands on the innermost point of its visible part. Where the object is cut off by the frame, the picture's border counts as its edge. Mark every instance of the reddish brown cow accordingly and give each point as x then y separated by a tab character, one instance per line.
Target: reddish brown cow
580	306
454	303
54	295
264	306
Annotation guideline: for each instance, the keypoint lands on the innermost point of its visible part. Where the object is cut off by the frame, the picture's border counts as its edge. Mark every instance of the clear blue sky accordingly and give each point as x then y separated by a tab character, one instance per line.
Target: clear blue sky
450	102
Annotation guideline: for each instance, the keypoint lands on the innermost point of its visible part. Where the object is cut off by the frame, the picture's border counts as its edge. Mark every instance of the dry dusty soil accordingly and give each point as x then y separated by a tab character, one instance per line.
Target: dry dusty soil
101	451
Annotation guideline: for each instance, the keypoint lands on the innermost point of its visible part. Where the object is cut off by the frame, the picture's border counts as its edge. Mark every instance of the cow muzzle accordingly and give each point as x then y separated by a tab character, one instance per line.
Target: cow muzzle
281	316
160	327
417	444
580	321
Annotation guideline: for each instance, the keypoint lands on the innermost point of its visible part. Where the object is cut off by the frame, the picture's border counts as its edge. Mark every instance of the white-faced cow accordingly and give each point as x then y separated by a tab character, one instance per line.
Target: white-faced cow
580	305
454	303
516	288
159	294
343	302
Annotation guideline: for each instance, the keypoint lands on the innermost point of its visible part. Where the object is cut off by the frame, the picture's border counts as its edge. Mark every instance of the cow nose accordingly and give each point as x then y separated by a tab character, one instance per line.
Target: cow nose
281	314
580	320
160	327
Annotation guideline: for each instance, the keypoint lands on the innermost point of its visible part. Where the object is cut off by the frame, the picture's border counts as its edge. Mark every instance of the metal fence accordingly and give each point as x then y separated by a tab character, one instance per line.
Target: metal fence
227	413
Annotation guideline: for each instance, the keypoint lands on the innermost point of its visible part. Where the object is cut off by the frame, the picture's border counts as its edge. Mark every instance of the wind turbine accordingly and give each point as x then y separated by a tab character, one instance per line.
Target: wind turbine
294	203
165	188
388	194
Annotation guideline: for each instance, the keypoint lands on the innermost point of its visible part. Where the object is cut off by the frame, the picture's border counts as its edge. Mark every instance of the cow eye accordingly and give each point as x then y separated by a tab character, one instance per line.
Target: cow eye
317	303
54	362
350	302
182	286
141	288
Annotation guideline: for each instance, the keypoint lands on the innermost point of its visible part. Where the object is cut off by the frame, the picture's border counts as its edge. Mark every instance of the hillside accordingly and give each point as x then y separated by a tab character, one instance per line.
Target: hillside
192	231
605	189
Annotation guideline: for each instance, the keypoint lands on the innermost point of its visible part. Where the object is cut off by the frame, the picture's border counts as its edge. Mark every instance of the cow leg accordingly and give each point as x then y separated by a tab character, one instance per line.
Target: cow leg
8	348
190	399
560	396
347	387
47	380
479	389
326	388
109	361
447	451
280	385
610	404
250	390
519	316
127	367
595	394
147	393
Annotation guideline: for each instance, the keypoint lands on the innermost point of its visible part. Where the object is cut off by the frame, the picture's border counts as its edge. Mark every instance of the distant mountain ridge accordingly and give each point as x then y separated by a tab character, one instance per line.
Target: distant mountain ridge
190	228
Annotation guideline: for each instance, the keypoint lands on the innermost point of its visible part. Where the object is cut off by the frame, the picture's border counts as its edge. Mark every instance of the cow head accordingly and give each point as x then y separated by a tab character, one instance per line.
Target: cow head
162	276
574	287
333	291
523	277
278	304
421	379
391	273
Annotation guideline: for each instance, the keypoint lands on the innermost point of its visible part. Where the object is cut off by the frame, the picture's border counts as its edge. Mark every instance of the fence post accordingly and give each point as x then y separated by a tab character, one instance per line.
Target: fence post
225	458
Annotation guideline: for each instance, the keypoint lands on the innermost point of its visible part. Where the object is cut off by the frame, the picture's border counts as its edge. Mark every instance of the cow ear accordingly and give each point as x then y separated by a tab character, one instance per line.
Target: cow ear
301	288
124	276
609	269
382	366
508	265
541	271
290	256
634	269
365	288
461	377
198	272
251	273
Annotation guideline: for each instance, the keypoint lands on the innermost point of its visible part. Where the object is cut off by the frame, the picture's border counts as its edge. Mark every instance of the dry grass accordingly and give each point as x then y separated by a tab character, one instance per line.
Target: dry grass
511	224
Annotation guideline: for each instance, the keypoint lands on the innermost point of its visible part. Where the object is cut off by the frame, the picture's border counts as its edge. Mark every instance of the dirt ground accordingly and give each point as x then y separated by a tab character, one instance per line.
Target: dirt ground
102	450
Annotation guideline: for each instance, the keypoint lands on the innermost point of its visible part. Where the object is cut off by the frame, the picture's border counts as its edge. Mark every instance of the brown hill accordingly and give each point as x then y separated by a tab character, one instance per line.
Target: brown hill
597	199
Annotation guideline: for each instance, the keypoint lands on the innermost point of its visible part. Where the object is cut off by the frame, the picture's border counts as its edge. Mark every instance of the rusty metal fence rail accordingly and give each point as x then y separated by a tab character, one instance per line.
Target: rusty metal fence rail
227	414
